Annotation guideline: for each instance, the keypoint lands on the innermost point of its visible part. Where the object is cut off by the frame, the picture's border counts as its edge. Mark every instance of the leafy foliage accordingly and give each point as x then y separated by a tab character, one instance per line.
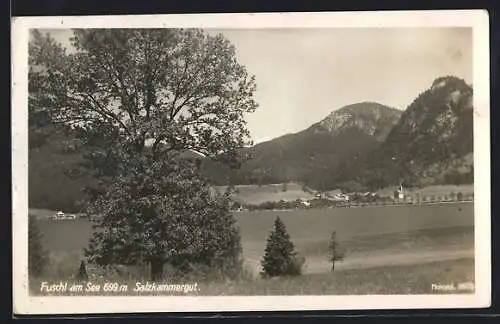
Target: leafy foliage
180	88
135	99
280	258
37	255
163	214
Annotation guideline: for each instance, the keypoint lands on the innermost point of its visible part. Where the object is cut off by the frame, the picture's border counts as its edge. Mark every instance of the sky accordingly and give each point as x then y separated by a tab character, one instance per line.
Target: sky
303	75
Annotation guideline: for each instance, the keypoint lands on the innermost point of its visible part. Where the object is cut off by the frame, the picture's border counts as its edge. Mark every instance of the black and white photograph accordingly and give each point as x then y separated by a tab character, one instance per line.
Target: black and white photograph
240	162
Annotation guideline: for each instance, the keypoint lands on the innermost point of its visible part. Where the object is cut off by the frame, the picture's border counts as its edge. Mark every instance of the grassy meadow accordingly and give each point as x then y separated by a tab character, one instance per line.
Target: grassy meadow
255	195
432	191
388	248
383	280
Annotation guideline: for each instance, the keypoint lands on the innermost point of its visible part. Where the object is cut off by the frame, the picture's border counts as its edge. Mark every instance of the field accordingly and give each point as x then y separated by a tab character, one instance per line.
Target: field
372	236
399	279
436	191
387	237
254	194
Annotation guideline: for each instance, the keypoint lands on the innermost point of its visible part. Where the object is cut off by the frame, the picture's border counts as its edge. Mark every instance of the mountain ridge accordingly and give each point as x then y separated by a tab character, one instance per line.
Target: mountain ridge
432	141
349	131
358	147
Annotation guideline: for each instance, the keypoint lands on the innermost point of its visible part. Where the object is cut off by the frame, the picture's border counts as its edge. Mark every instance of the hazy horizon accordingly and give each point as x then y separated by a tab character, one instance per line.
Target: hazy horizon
304	74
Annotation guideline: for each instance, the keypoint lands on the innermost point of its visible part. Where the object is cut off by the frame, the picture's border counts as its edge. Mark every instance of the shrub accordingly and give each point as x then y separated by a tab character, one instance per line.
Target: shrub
280	257
37	255
459	196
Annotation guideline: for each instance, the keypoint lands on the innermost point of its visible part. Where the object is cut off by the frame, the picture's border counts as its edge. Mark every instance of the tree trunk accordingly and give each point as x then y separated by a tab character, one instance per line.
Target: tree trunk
333	265
156	270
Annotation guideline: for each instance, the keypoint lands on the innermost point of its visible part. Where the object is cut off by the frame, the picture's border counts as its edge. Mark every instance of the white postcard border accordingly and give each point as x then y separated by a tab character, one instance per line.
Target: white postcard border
477	19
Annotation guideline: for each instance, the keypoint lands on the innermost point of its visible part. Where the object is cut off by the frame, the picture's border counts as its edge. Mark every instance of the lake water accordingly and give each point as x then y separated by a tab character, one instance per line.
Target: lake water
301	224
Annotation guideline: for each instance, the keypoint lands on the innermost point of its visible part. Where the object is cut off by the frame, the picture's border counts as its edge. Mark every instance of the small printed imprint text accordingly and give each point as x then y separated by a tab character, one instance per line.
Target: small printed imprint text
463	286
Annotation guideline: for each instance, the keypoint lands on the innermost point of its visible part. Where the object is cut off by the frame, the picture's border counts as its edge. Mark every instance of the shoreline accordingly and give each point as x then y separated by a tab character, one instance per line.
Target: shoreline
32	211
362	205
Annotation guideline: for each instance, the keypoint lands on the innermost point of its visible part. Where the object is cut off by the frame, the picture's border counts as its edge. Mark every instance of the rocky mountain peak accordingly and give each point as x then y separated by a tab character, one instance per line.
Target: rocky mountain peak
371	118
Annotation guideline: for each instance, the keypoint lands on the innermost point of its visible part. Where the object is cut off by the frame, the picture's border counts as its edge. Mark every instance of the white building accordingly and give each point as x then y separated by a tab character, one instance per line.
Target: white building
401	194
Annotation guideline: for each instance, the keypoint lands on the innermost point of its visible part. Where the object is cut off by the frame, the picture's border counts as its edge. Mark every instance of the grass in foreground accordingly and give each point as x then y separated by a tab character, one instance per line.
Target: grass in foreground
408	279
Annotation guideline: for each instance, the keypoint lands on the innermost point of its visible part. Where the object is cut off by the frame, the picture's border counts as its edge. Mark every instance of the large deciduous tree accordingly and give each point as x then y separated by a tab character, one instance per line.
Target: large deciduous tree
136	99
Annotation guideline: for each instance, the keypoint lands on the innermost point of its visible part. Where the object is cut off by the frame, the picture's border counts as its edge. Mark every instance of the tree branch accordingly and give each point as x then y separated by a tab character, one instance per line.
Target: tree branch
104	112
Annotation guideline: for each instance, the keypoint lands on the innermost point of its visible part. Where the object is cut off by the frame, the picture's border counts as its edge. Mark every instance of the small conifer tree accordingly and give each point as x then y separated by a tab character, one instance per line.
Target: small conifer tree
280	257
337	253
37	255
82	273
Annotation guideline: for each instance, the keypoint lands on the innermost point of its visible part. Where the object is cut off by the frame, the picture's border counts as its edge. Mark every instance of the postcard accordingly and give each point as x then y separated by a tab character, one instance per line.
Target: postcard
251	162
